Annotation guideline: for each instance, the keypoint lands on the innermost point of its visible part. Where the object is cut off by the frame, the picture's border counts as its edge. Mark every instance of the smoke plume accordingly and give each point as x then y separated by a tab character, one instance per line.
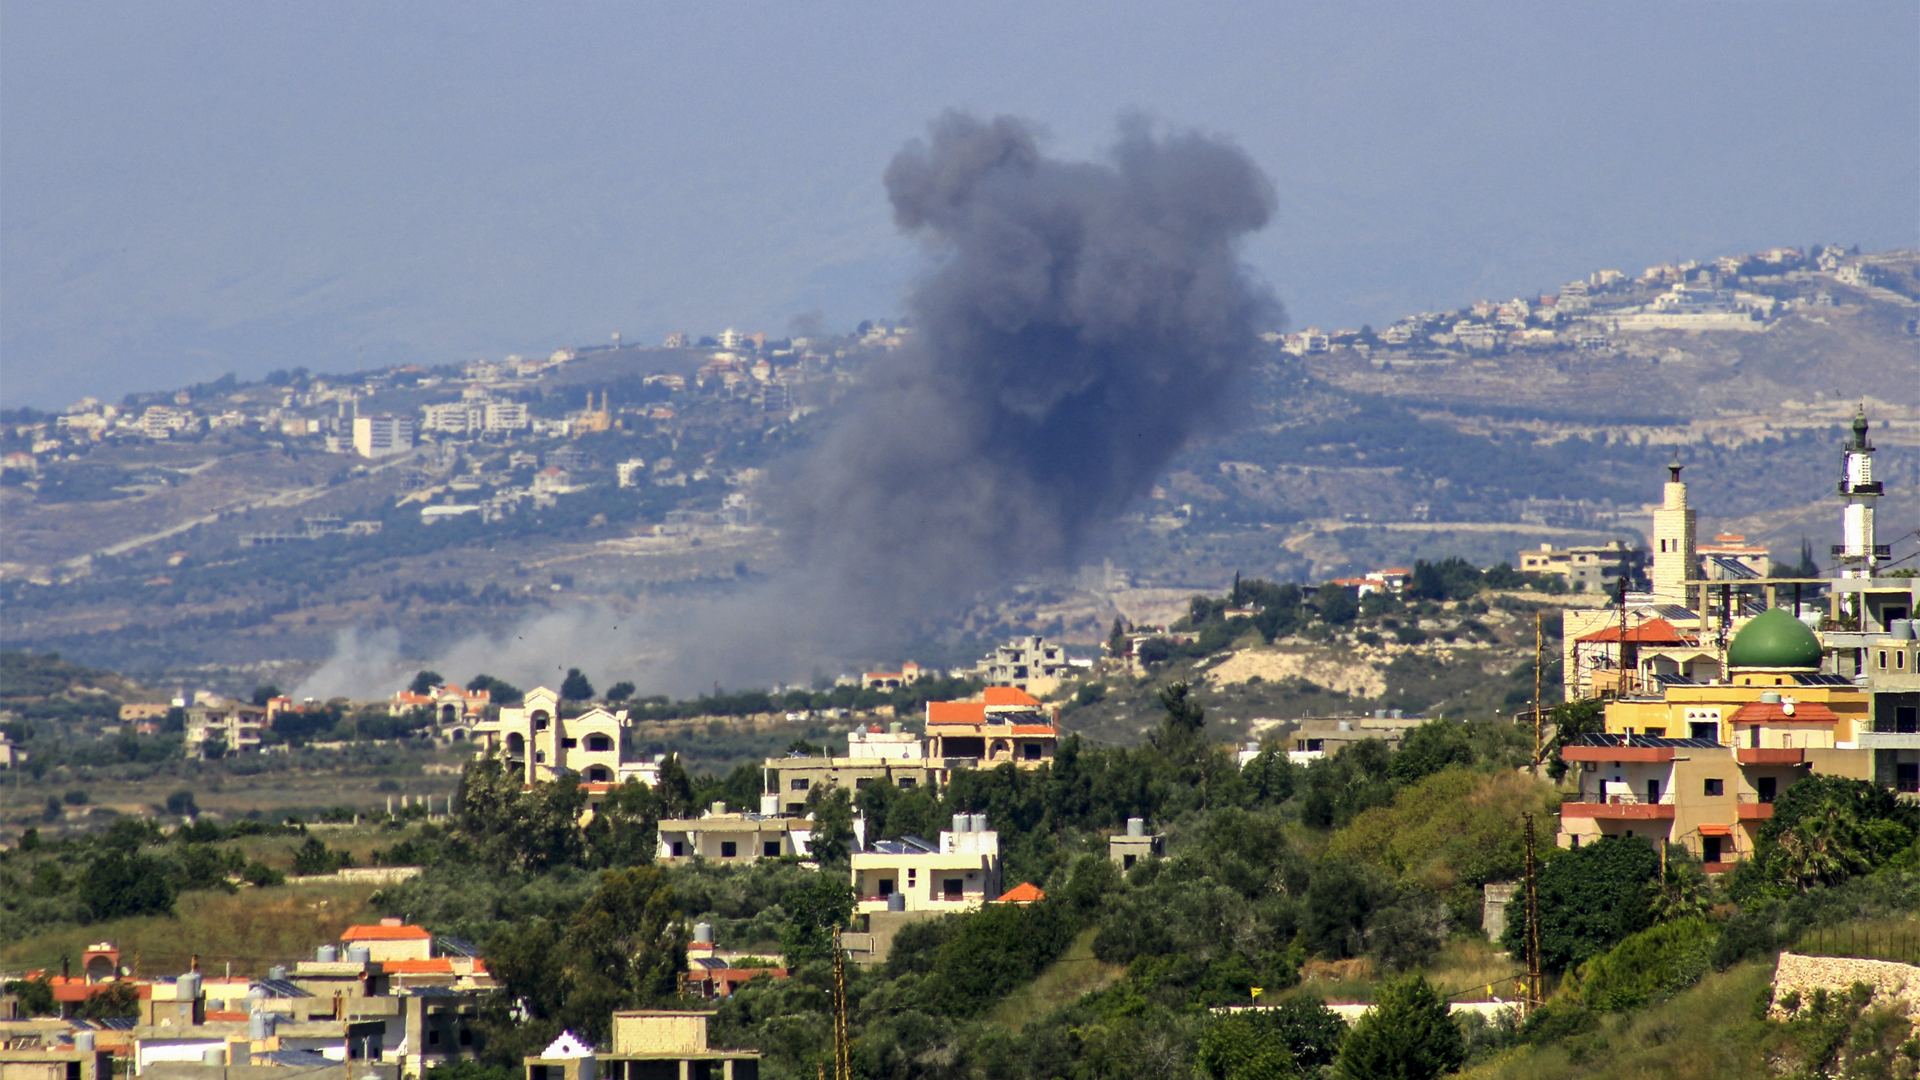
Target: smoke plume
1079	323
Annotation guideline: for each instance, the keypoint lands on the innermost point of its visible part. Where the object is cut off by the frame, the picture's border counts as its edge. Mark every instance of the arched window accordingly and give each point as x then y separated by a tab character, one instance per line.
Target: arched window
541	720
598	774
449	714
516	745
599	743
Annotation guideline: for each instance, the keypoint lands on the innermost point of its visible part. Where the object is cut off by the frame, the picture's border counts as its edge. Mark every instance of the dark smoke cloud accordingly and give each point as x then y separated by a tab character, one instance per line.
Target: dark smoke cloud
1081	323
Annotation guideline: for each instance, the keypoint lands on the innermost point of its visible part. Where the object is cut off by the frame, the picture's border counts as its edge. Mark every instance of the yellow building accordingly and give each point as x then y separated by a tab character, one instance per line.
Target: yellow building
1700	765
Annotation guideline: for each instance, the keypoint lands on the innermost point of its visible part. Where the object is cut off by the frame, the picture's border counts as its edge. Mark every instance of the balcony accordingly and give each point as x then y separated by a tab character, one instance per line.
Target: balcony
1770	755
1617	807
1751	808
1889	740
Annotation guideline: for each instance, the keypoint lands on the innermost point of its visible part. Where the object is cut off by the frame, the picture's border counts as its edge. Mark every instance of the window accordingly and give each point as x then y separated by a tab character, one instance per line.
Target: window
1032	751
679	849
598	774
796	808
770	849
908	781
1767	786
798	785
886	886
1883	659
599	744
466	1037
1704	730
913	876
569	743
433	1038
1716	786
1127	861
729	849
540	721
863	783
950	889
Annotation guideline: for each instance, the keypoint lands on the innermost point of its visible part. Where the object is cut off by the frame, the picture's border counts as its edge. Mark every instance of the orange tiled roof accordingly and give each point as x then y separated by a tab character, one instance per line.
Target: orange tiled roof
1009	695
956	712
384	933
439	965
1764	712
1024	893
1033	729
1651	632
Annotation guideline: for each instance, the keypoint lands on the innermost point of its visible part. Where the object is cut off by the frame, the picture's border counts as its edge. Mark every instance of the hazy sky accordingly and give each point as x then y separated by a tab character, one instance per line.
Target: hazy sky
193	188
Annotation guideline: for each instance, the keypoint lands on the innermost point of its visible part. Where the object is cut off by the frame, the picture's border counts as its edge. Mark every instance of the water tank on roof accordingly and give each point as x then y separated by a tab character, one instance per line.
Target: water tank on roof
277	972
188	986
260	1025
979	823
213	1055
359	954
896	901
326	954
1136	826
703	933
83	1041
960	823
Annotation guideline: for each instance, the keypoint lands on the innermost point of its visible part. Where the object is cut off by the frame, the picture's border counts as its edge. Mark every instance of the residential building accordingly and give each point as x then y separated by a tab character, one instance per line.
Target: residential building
537	739
1324	737
1028	663
1893	689
455	417
1005	725
890	680
382	436
451	706
1700	765
1730	558
507	416
78	1060
1593	568
390	939
1624	656
235	727
895	758
959	874
648	1044
726	837
631	472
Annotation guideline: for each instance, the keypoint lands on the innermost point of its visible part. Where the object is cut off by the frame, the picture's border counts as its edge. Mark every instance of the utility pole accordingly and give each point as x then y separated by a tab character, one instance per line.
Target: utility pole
842	1061
1538	652
1533	922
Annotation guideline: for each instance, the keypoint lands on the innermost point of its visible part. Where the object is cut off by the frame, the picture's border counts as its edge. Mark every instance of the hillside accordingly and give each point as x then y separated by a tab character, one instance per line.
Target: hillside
239	547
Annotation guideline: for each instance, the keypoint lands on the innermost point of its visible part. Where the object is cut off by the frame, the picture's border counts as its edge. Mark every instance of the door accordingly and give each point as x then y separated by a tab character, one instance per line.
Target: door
1710	849
1653	791
1906	776
1768	787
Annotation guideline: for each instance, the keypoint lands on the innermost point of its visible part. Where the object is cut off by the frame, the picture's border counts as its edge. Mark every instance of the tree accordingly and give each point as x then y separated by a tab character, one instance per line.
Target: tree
1407	1036
181	804
1246	1046
1117	639
1825	829
499	691
119	884
36	995
1590	899
116	1001
832	841
620	691
423	683
575	687
1337	603
813	910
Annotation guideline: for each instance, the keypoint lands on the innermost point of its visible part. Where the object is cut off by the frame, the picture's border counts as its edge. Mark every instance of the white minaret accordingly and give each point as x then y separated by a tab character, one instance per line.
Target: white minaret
1674	561
1858	554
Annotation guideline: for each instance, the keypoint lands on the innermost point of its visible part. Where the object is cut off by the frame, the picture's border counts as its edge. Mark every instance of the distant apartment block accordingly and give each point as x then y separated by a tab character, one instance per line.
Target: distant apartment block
382	436
1586	569
1027	663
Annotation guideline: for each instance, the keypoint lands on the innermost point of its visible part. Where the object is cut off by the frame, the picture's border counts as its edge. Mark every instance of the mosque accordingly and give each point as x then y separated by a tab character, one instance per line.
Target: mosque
1723	692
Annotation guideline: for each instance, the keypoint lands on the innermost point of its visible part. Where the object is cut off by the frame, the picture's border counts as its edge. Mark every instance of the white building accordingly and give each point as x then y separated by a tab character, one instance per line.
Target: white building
631	472
960	874
507	416
536	739
382	436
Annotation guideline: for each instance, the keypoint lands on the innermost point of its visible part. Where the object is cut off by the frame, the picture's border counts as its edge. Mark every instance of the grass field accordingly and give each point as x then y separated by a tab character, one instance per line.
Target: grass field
252	930
1075	974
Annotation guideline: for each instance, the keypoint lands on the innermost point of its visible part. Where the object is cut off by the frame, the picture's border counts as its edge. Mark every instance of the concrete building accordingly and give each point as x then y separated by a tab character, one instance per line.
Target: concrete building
1136	844
1027	663
1324	737
959	874
1893	689
648	1044
725	837
236	727
1728	557
1586	569
78	1060
1005	725
506	416
537	739
382	436
1675	561
1700	764
894	757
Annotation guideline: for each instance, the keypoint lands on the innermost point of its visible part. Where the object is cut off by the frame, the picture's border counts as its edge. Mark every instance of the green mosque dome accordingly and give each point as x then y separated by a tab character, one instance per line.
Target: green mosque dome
1774	639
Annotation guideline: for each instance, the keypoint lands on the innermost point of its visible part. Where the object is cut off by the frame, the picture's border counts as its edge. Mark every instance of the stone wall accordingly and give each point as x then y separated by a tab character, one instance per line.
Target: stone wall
1891	982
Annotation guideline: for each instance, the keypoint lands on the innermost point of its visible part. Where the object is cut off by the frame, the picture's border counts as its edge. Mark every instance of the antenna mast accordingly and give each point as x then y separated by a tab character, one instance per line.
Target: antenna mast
1537	656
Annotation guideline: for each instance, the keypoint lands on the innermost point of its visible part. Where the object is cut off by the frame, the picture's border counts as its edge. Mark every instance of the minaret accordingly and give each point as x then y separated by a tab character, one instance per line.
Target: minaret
1857	554
1674	562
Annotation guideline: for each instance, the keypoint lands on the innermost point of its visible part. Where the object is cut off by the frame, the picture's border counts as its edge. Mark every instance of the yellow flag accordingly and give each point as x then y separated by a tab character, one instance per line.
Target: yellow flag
1257	991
